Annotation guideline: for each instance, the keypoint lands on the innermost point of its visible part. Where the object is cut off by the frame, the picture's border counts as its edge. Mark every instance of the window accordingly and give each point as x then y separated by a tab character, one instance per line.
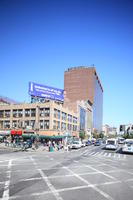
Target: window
7	113
75	120
46	124
20	113
41	124
7	124
14	113
41	112
74	127
27	112
64	116
54	124
58	125
14	124
47	112
26	123
56	113
63	126
33	112
1	113
32	123
69	118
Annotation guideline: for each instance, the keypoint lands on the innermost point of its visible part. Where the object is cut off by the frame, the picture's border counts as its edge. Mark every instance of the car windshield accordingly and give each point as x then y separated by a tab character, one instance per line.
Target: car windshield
111	142
75	142
129	143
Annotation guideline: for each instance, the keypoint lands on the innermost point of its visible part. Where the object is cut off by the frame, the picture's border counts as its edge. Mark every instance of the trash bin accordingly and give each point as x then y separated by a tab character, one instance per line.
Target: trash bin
50	149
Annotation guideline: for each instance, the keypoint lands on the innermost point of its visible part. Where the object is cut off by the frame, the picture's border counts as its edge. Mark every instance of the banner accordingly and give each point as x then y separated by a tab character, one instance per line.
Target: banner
44	91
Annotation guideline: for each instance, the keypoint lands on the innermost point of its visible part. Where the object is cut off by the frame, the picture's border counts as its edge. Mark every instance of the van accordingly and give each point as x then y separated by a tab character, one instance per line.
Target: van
111	144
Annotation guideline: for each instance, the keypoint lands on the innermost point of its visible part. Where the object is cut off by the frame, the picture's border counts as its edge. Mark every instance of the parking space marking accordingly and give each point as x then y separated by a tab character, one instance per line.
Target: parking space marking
101	172
7	183
46	180
88	184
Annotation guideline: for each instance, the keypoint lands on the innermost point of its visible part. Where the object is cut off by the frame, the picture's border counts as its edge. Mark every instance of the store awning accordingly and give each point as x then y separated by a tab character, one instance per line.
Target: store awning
16	132
27	135
51	137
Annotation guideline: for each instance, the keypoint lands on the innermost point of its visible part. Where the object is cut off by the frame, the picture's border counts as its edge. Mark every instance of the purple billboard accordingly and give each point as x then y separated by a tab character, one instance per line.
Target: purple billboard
44	91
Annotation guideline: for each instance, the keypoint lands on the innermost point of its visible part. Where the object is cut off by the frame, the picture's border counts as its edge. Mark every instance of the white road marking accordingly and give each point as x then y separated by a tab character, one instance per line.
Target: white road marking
88	184
65	189
101	172
95	154
46	180
105	154
91	153
7	183
109	155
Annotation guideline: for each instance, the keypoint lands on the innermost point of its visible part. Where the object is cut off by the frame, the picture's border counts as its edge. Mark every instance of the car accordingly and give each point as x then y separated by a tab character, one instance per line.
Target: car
83	143
97	143
128	146
121	140
111	144
76	144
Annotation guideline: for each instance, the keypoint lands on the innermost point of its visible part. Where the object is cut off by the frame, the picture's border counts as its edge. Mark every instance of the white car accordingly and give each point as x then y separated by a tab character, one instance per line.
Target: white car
111	144
76	144
128	146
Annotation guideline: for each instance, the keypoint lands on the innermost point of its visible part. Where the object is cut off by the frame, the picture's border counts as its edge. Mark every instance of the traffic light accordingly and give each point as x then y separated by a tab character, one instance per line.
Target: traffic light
122	128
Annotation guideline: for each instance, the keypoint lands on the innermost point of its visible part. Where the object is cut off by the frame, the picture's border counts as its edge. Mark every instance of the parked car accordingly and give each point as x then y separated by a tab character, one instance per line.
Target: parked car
83	143
97	143
76	144
111	144
128	146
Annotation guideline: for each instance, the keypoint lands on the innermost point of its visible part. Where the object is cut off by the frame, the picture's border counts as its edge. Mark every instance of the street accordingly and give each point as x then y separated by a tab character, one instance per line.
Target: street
90	173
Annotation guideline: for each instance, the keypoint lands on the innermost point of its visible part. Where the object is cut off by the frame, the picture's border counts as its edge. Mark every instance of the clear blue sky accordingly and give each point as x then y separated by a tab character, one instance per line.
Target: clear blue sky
41	39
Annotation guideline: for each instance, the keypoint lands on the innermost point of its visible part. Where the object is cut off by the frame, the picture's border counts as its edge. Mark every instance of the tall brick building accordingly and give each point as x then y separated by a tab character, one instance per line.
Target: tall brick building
82	83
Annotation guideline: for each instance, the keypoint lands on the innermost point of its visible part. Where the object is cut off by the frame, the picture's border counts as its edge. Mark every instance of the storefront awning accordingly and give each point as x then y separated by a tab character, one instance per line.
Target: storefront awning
27	135
51	137
16	132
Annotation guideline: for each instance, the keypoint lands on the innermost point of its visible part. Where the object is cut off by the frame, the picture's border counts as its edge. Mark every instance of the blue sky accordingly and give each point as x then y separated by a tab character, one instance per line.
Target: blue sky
39	40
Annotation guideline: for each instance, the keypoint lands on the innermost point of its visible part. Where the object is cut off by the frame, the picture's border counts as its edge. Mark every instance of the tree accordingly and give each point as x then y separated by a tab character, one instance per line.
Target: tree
82	135
101	135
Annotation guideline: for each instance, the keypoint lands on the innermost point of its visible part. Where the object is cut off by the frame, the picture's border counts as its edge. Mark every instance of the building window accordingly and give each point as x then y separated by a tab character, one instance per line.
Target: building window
69	118
75	120
64	116
41	112
82	119
1	113
27	112
54	124
47	112
32	123
41	124
7	124
74	127
14	113
63	126
1	124
56	113
58	125
20	113
33	112
14	124
46	124
27	123
7	113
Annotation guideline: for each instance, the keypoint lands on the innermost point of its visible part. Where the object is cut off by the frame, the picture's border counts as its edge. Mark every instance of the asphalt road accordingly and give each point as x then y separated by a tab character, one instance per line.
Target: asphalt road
90	173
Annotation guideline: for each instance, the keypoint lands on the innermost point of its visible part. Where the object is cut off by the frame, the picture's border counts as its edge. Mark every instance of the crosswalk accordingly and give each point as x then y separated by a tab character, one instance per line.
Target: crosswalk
104	154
